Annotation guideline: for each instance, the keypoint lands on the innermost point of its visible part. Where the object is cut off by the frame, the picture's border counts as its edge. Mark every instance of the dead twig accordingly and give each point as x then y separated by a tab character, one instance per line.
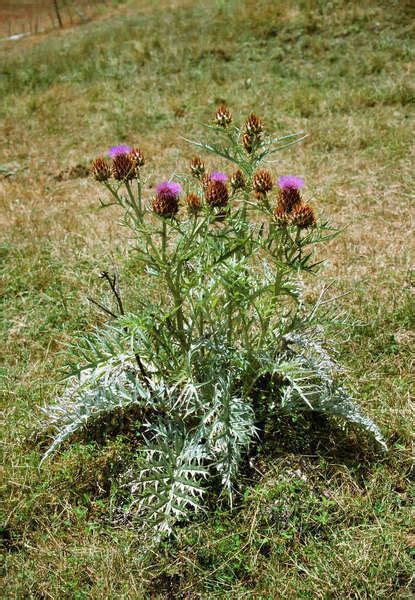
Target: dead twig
113	283
114	286
102	307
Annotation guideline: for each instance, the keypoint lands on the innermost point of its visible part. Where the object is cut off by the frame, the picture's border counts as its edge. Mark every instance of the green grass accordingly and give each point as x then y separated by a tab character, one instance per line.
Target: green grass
321	513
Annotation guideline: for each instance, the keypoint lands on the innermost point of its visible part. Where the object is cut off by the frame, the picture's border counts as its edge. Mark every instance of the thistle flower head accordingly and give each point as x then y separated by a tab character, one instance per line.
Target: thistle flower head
197	167
254	125
303	216
253	129
138	157
165	207
205	180
238	180
101	169
262	181
216	194
223	117
193	203
280	216
169	189
121	149
290	182
218	176
166	202
123	167
289	199
248	142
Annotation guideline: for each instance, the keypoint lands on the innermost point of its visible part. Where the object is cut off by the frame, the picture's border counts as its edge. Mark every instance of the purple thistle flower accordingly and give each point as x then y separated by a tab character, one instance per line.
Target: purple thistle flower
169	189
218	176
290	182
121	149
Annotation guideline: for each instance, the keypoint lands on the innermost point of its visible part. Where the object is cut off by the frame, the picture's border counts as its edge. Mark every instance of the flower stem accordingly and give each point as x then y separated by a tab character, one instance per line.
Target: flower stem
173	288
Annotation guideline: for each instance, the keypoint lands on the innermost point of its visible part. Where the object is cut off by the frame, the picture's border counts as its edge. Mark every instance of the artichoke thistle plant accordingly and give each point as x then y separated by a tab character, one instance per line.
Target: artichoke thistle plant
220	340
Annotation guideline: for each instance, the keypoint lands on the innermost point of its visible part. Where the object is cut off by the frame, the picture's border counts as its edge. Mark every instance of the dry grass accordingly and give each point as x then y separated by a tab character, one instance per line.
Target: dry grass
36	16
325	518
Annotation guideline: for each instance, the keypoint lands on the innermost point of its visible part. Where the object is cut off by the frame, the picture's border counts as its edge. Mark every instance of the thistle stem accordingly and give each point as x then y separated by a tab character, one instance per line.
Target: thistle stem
113	192
133	202
173	288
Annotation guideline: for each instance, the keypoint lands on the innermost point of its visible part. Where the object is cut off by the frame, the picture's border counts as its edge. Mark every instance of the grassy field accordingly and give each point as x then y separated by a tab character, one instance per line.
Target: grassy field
322	515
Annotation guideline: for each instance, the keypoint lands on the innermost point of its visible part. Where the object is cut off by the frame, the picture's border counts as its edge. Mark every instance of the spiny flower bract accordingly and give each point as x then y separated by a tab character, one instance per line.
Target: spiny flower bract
101	169
262	181
123	167
238	181
223	117
197	167
193	203
216	194
303	216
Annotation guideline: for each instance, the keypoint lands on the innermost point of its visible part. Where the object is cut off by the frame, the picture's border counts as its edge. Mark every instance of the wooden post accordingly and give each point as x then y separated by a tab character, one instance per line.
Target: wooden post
58	14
